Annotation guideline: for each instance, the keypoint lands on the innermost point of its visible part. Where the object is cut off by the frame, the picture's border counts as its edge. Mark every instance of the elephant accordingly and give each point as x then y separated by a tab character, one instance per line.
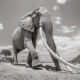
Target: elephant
27	31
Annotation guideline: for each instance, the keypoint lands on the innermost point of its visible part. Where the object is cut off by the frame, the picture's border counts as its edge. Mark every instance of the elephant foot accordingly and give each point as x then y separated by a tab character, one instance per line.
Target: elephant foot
15	63
28	64
58	69
36	64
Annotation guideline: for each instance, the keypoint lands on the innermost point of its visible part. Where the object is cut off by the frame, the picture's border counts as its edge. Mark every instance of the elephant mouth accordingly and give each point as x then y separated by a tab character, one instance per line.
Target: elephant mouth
56	56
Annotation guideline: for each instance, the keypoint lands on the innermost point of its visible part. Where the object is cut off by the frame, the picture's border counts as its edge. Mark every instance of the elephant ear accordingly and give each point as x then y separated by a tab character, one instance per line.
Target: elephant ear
53	53
26	24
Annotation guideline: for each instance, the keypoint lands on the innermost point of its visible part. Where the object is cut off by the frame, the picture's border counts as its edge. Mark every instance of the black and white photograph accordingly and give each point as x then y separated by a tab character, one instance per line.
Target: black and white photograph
39	39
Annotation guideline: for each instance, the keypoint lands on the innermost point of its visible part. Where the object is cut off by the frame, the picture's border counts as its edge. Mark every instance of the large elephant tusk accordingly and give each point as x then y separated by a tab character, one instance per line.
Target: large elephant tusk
53	53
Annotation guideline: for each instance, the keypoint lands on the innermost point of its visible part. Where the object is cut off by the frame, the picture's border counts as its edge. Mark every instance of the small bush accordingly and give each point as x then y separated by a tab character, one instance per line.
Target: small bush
7	55
6	52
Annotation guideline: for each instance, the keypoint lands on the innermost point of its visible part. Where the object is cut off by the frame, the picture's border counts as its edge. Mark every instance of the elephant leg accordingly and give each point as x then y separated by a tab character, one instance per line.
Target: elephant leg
51	43
34	38
56	63
17	42
16	51
15	60
29	60
33	55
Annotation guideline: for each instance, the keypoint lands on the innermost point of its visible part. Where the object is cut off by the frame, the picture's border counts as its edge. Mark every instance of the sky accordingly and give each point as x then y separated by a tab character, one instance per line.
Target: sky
65	16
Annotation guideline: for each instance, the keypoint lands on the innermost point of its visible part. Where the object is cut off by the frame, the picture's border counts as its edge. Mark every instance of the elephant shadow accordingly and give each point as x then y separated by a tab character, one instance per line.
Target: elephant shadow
49	68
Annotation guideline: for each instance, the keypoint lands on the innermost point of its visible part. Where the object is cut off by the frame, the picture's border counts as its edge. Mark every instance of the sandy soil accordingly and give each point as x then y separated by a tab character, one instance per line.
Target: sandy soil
20	72
11	72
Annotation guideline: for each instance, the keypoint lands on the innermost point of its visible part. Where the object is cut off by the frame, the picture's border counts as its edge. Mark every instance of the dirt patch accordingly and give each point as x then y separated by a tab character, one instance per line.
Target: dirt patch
11	72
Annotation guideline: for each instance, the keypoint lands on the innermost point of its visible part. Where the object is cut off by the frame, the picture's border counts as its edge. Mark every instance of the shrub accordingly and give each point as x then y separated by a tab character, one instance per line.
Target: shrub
7	55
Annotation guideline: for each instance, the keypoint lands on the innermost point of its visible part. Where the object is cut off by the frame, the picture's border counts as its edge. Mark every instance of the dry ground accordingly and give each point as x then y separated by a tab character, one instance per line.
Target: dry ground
20	72
11	72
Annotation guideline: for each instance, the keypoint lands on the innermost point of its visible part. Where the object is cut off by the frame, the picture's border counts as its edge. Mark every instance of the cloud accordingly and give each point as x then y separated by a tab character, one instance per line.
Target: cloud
66	29
62	41
5	47
62	1
66	43
67	46
73	27
55	8
77	38
57	20
1	26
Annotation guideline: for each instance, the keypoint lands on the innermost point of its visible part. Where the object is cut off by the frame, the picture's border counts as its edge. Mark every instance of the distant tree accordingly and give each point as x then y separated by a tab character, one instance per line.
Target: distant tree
7	55
6	52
